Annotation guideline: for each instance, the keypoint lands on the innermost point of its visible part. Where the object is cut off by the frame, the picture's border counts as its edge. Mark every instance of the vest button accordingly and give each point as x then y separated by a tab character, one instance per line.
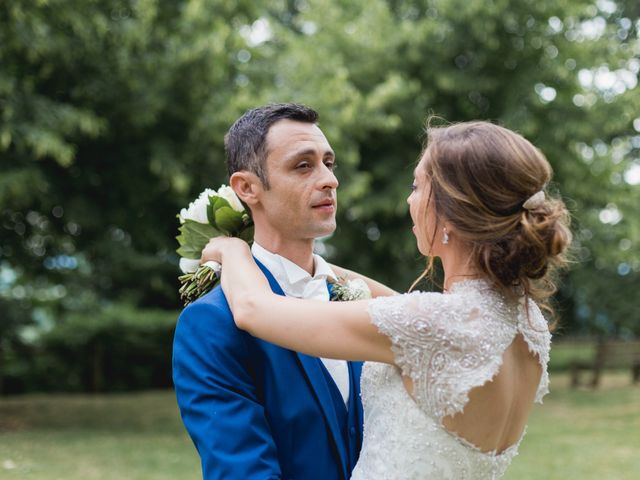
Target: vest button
352	431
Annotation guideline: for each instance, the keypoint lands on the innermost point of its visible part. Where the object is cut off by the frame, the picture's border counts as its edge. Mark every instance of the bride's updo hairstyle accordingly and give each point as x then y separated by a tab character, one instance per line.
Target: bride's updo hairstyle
484	180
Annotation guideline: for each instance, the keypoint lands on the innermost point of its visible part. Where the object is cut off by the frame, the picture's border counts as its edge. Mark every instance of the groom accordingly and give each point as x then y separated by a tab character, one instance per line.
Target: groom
255	410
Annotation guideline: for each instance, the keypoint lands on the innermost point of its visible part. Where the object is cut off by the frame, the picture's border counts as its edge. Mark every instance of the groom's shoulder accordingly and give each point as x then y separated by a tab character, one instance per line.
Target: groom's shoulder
214	299
211	311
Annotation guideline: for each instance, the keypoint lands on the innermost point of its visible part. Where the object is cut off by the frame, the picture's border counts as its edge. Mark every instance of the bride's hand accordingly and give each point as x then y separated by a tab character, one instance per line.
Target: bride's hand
213	251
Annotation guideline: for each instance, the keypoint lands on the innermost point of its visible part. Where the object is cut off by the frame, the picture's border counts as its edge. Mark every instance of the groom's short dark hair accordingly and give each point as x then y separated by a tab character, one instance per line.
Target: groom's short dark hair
246	141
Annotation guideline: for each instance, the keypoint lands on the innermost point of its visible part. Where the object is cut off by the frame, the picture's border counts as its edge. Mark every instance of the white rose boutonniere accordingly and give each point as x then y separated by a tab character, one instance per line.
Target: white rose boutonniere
344	290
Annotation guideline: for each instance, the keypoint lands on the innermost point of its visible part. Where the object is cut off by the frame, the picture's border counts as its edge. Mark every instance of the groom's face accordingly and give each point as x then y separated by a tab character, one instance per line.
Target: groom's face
301	200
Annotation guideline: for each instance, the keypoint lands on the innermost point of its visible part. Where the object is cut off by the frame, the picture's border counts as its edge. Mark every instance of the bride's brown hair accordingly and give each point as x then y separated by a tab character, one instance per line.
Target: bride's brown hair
481	175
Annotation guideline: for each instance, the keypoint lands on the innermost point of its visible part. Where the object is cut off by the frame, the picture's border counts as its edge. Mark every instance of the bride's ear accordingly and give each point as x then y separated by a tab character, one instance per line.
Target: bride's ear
247	186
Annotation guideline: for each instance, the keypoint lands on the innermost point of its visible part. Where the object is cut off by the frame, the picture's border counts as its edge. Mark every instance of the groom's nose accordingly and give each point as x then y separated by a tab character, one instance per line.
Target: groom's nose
327	179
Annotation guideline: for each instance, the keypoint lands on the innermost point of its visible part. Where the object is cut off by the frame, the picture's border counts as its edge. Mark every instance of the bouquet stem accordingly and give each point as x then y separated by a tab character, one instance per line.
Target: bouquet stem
194	285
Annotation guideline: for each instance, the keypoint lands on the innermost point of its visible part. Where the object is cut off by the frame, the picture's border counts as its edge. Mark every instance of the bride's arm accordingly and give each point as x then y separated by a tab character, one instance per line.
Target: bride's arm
323	329
377	289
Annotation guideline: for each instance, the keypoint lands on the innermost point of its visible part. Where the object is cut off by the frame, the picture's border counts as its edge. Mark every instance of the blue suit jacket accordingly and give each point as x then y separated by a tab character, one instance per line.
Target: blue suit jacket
255	410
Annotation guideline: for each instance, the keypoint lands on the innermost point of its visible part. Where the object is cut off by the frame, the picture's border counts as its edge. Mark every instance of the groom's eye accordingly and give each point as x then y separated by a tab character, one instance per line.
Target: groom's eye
303	165
331	164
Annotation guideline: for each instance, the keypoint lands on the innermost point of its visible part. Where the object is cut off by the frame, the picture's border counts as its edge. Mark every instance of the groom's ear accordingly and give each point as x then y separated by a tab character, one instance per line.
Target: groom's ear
247	186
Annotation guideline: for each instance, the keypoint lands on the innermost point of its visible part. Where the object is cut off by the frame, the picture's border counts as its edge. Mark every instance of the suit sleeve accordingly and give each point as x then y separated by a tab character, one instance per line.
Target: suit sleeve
217	396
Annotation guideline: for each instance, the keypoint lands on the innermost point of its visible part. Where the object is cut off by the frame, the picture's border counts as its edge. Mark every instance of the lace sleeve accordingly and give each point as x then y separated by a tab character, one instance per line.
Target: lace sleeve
409	328
422	341
446	344
535	330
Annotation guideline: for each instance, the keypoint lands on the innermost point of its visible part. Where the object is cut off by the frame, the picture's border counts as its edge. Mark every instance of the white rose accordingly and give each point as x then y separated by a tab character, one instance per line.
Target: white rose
189	266
197	210
230	196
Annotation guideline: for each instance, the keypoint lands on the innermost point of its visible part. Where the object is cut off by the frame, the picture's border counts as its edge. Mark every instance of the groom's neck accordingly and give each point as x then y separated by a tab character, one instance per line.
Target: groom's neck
299	251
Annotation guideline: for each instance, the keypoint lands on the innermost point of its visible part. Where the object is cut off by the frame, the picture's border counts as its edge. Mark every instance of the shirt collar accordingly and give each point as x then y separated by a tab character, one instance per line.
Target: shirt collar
288	272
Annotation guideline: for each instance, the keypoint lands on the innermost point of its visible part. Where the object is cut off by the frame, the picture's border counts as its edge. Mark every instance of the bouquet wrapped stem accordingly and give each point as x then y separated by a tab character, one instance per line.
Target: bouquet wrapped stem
194	285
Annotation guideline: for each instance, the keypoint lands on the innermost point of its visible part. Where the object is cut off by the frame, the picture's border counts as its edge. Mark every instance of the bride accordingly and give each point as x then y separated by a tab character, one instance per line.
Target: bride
450	377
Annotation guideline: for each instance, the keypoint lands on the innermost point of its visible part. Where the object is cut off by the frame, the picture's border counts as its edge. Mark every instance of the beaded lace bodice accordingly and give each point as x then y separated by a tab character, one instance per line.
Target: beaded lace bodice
447	344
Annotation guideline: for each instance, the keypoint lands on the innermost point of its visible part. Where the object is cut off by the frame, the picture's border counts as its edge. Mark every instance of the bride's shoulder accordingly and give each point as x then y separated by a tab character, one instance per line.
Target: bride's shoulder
414	298
420	304
533	324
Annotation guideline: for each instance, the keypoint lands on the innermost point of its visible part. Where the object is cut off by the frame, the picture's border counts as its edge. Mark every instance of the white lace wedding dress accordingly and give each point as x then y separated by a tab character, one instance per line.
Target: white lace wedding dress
447	344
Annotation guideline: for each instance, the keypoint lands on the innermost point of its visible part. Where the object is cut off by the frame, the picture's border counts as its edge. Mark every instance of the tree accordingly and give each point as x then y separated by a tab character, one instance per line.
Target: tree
112	117
550	70
108	109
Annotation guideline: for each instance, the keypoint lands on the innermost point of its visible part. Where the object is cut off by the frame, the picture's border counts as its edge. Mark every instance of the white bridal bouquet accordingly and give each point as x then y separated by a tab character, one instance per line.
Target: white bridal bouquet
210	215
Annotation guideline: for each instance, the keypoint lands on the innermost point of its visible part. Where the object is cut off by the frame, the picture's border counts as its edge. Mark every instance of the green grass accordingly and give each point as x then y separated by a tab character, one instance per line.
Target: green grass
583	434
575	434
82	437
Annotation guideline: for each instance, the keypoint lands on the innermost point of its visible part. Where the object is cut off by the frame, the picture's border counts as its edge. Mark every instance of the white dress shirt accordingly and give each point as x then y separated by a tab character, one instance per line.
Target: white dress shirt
296	282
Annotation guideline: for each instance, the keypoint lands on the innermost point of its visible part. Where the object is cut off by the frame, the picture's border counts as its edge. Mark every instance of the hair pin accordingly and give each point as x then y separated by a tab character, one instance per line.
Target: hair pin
534	201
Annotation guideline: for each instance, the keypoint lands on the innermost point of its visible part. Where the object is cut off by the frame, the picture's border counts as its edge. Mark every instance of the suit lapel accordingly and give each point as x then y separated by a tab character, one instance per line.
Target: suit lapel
315	377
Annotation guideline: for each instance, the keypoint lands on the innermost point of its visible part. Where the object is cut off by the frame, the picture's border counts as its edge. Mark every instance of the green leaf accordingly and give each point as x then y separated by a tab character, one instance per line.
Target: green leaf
247	234
228	220
189	251
215	203
193	238
211	216
219	202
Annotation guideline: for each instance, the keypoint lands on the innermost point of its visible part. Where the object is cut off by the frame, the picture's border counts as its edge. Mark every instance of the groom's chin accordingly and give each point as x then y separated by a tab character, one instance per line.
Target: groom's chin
326	228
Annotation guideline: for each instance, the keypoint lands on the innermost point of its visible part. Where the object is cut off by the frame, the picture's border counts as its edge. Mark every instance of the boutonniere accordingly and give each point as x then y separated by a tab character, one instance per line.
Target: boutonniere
343	290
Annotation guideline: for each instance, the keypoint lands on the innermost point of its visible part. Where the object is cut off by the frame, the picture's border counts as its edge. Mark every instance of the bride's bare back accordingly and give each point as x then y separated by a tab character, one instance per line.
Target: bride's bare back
497	412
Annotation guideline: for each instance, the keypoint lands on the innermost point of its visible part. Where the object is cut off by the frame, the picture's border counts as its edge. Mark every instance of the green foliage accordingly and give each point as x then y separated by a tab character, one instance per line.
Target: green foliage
113	114
563	74
565	353
193	238
108	110
115	349
226	219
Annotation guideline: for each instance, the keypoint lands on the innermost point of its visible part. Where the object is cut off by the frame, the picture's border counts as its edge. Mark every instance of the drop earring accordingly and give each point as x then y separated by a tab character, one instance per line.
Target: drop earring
445	236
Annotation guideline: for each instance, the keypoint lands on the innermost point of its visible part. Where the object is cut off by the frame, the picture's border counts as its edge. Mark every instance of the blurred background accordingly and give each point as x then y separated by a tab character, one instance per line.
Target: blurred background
112	118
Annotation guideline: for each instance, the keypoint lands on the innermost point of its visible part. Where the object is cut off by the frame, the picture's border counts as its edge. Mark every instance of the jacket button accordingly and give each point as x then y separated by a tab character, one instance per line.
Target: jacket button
352	431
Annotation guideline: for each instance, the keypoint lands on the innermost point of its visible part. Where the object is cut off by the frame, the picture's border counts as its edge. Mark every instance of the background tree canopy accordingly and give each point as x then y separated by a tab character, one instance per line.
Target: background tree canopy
113	112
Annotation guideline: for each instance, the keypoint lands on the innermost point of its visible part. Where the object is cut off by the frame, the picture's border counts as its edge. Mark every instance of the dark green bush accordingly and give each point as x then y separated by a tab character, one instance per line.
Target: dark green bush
119	348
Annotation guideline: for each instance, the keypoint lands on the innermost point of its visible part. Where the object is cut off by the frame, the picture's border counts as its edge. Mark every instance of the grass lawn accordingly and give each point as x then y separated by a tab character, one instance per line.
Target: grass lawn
133	436
590	435
575	434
